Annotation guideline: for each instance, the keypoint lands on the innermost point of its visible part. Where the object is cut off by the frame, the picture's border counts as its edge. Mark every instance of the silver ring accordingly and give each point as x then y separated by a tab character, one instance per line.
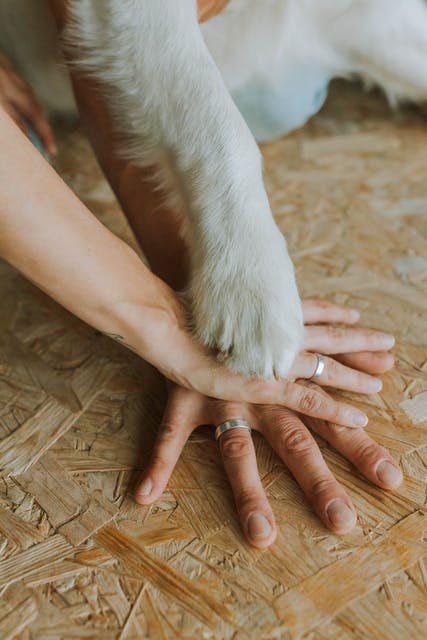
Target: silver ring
320	365
236	423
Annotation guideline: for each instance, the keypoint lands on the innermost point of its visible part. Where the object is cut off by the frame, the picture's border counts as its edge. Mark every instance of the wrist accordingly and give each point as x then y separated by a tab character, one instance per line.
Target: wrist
142	320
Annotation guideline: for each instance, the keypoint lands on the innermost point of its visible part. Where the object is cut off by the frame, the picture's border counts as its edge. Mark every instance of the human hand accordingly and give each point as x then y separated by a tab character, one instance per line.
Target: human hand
18	100
287	433
172	349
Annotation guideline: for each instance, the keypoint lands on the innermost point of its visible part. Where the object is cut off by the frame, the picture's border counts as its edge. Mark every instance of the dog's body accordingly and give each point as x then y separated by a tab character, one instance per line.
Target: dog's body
168	81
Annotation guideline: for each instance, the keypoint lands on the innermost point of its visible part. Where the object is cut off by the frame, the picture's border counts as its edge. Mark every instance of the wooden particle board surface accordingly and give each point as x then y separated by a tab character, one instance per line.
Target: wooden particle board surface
78	414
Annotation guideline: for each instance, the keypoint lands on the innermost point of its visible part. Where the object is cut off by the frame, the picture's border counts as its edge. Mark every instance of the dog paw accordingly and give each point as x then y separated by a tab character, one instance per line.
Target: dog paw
246	306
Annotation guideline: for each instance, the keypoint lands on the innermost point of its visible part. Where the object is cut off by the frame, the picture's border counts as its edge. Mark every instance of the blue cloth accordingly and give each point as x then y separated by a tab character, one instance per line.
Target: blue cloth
272	110
34	138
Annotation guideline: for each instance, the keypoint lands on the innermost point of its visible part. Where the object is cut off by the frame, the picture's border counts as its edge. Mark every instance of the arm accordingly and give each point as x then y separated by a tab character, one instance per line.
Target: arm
50	236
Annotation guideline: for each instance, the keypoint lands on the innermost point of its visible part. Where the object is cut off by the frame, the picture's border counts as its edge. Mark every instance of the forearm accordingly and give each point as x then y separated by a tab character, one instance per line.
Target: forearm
50	236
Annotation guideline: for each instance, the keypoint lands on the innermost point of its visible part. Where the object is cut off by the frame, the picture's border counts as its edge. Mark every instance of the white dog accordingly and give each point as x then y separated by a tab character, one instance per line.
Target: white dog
192	98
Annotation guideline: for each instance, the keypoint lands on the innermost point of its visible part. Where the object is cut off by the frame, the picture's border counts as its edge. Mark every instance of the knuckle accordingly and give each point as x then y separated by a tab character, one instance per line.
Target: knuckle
336	413
321	486
159	463
168	429
335	333
331	369
167	433
296	441
369	452
235	445
247	498
321	304
310	402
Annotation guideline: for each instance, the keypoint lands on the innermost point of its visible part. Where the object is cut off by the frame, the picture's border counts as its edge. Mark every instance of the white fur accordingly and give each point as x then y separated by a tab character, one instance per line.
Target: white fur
168	81
173	109
383	41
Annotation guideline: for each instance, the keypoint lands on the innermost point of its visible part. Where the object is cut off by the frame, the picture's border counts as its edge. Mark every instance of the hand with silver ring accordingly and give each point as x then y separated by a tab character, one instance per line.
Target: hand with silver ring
350	355
360	351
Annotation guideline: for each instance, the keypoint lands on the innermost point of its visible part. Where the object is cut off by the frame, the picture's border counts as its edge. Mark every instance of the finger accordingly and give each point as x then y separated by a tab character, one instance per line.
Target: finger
368	456
292	396
368	361
255	514
26	102
373	460
310	402
317	311
175	428
335	374
295	445
332	339
303	400
203	373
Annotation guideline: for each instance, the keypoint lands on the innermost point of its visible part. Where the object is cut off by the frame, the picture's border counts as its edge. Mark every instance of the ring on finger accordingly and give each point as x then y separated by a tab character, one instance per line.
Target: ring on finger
320	366
235	423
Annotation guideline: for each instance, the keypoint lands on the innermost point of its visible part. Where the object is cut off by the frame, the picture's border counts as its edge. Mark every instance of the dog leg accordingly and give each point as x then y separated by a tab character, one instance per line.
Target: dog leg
172	108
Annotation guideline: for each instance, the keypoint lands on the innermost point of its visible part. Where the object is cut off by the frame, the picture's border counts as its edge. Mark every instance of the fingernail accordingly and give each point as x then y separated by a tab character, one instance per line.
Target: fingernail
375	385
354	315
387	340
340	515
359	419
145	487
258	526
389	474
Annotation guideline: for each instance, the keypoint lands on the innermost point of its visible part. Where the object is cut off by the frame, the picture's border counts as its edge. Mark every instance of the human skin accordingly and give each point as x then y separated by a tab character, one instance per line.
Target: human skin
359	349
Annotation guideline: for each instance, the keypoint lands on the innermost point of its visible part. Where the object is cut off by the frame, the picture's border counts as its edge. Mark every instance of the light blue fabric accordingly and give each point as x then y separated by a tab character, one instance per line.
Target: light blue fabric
273	110
34	137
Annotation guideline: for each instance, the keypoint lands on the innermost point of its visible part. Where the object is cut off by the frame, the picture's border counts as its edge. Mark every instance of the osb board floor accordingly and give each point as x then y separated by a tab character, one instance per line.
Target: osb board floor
78	413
